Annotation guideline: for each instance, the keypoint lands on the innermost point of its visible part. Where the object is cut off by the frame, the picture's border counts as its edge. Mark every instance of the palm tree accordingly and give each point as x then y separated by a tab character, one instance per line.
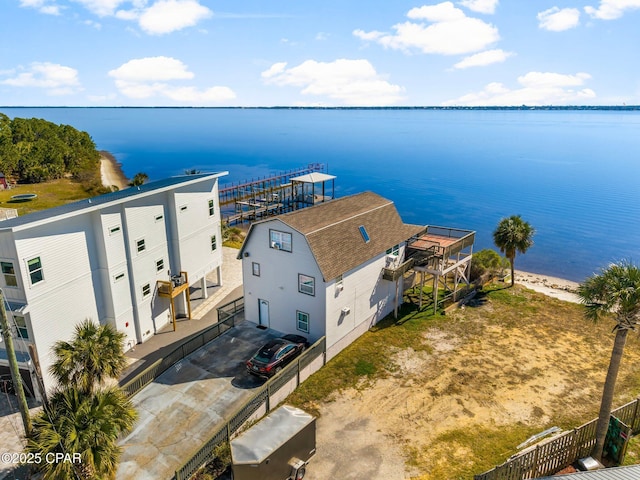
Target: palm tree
138	179
617	290
94	355
85	426
513	235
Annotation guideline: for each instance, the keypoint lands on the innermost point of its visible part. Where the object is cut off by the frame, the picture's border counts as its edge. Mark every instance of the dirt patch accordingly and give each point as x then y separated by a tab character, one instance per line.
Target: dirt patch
487	369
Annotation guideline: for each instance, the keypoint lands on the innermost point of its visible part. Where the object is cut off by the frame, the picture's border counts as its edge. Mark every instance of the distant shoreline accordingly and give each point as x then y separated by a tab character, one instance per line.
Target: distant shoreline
584	108
111	171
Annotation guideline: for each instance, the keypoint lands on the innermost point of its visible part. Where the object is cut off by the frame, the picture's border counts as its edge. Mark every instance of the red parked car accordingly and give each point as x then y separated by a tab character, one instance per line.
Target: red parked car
275	355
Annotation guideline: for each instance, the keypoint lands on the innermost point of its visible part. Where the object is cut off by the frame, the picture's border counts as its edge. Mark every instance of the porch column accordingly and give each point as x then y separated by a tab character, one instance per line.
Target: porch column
203	286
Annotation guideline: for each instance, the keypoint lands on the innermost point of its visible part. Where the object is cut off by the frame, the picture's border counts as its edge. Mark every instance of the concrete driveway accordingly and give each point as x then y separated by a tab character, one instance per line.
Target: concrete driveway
182	408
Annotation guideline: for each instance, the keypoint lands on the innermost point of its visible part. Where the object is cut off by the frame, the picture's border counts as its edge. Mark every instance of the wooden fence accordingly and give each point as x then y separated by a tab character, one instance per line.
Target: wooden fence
551	456
267	397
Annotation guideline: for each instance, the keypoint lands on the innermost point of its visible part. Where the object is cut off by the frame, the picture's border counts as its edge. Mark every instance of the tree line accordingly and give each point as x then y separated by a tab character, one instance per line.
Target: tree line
35	150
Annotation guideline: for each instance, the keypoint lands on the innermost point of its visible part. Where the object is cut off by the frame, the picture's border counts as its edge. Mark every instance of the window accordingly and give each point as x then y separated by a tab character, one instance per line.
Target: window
118	276
306	284
160	265
159	217
212	208
364	233
35	270
280	240
255	267
9	274
302	322
21	324
113	230
146	290
140	245
395	250
214	243
285	351
183	208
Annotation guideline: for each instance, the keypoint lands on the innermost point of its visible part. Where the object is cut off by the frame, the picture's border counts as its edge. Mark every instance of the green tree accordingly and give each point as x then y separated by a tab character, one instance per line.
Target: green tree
513	235
93	355
86	424
616	289
487	261
138	179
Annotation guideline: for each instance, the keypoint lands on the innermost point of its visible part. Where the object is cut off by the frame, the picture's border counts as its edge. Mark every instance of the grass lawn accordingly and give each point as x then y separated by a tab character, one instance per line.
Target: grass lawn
458	392
50	194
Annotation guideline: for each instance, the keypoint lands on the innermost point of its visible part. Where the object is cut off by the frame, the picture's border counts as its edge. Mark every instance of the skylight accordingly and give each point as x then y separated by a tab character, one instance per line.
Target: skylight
363	232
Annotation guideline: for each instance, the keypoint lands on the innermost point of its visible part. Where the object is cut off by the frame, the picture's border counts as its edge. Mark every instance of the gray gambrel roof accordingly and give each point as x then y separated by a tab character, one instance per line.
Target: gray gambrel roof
332	231
101	201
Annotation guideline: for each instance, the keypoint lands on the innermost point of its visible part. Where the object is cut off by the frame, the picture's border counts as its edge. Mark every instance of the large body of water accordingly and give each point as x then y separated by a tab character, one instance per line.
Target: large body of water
574	175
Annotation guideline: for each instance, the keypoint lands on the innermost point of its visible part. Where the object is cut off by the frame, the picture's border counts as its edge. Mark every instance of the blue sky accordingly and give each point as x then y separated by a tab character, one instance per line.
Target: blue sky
319	53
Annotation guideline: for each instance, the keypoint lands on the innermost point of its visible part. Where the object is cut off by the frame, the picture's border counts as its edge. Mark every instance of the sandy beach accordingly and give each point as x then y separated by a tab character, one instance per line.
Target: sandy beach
111	171
551	286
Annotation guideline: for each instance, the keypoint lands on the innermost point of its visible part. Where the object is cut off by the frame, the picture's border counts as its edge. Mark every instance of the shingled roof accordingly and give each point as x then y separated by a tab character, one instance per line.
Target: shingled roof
332	230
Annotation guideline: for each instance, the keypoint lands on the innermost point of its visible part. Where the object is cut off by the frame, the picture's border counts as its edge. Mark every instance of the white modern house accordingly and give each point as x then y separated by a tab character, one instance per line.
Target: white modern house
319	271
126	258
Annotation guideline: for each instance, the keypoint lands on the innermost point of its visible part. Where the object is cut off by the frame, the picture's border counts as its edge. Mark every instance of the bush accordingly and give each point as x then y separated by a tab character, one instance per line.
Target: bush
487	262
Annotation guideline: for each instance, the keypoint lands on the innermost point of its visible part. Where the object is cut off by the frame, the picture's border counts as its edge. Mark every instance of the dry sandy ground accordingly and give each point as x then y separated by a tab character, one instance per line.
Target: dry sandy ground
111	172
478	375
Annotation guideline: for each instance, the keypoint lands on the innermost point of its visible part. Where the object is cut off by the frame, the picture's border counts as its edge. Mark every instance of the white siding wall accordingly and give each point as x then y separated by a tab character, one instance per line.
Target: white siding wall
116	291
193	227
368	297
8	254
66	295
278	281
143	224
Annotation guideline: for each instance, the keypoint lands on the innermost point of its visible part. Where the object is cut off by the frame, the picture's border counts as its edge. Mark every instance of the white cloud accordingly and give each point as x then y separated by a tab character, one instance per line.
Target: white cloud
611	9
143	78
151	69
450	32
483	59
155	17
102	8
557	20
536	88
167	16
275	69
349	82
481	6
47	7
54	78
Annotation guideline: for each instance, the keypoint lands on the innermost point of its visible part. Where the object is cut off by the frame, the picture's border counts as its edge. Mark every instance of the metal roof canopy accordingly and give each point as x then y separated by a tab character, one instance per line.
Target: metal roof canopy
261	440
314	177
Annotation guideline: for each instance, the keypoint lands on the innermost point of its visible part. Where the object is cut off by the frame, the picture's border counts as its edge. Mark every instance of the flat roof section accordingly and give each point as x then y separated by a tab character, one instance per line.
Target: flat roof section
315	177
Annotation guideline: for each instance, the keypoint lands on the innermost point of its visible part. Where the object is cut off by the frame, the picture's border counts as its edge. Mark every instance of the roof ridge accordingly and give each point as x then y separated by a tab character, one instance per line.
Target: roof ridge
350	218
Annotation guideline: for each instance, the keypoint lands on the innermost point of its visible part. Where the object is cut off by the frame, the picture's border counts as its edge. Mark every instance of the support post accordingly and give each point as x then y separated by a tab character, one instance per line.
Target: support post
203	286
13	367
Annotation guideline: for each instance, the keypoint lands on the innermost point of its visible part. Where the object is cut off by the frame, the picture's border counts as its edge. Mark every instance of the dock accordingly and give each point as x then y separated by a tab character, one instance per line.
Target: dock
275	194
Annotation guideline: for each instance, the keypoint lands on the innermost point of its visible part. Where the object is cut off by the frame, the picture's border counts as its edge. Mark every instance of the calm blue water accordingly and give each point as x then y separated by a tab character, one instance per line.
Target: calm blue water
574	175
